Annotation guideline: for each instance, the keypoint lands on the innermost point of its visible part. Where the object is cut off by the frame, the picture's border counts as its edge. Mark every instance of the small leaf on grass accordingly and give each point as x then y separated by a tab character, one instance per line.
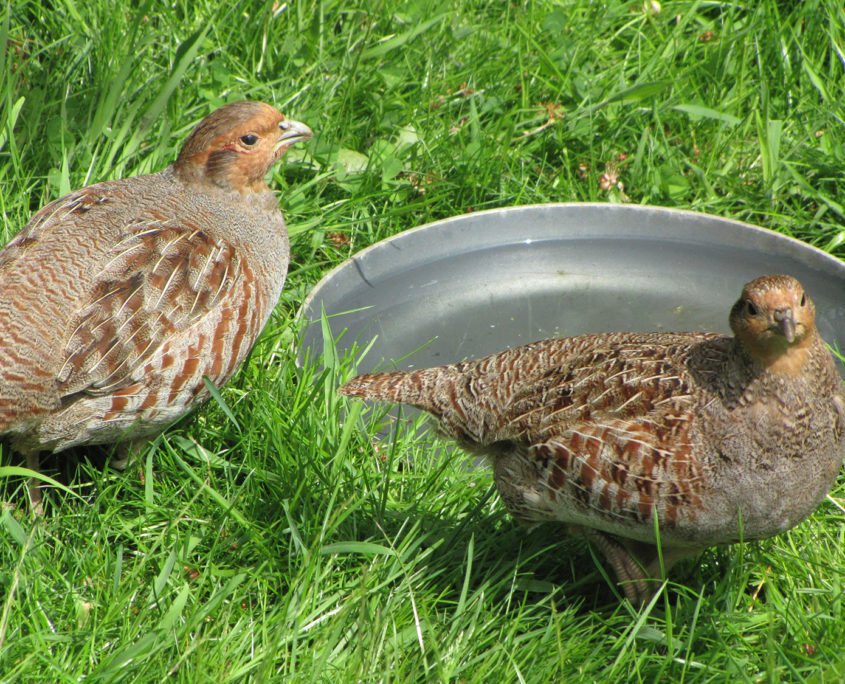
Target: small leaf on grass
199	452
163	576
83	613
365	548
390	168
696	112
11	119
349	422
137	651
648	633
467	574
118	569
352	162
672	182
474	124
293	528
769	134
396	42
175	611
191	543
816	80
329	351
835	241
149	494
555	22
14	528
641	91
407	136
339	171
305	226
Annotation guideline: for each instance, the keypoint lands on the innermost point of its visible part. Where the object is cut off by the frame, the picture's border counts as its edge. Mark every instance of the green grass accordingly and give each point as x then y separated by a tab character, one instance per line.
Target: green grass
285	544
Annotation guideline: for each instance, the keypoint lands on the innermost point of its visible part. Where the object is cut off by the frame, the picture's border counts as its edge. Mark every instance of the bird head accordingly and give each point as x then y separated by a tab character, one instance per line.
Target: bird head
775	320
236	145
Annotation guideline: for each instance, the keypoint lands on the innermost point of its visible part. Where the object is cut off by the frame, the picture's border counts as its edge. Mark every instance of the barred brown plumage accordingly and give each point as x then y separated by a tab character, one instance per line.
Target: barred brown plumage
719	437
118	298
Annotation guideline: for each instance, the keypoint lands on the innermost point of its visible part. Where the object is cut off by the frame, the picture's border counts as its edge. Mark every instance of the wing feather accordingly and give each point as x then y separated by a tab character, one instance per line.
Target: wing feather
157	282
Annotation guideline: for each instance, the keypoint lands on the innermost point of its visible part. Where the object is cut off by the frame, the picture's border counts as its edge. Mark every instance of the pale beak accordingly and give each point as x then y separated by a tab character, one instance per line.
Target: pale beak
292	132
786	323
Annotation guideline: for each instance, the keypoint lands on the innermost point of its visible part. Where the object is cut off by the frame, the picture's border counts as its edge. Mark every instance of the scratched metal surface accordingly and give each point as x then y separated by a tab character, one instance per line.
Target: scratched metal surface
478	283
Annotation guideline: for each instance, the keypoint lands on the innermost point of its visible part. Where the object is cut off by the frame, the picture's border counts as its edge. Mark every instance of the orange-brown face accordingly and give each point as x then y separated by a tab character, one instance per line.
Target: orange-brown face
236	145
774	317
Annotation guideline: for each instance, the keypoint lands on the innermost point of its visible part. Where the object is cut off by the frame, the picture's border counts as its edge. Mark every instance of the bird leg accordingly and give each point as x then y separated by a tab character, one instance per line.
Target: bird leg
126	452
629	573
636	564
33	486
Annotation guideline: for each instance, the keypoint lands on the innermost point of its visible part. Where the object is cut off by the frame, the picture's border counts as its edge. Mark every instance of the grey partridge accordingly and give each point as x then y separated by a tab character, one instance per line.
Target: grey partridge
117	299
720	438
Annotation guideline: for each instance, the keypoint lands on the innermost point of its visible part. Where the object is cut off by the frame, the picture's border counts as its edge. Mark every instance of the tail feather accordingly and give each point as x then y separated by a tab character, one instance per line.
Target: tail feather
442	391
422	388
395	387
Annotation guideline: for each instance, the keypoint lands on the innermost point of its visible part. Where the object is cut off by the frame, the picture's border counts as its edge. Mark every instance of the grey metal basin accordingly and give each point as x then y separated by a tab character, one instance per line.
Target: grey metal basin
478	283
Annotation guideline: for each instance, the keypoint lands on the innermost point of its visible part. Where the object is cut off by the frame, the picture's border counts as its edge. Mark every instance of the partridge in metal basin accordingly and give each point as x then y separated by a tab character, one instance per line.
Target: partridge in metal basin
718	437
117	299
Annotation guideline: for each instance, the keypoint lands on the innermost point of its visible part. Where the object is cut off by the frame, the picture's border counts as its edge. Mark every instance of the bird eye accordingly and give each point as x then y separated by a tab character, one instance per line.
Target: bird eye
750	308
249	139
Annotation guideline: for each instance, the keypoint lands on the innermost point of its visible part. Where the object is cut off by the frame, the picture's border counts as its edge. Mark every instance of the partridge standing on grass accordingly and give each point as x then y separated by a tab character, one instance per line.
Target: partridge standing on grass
721	438
117	299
